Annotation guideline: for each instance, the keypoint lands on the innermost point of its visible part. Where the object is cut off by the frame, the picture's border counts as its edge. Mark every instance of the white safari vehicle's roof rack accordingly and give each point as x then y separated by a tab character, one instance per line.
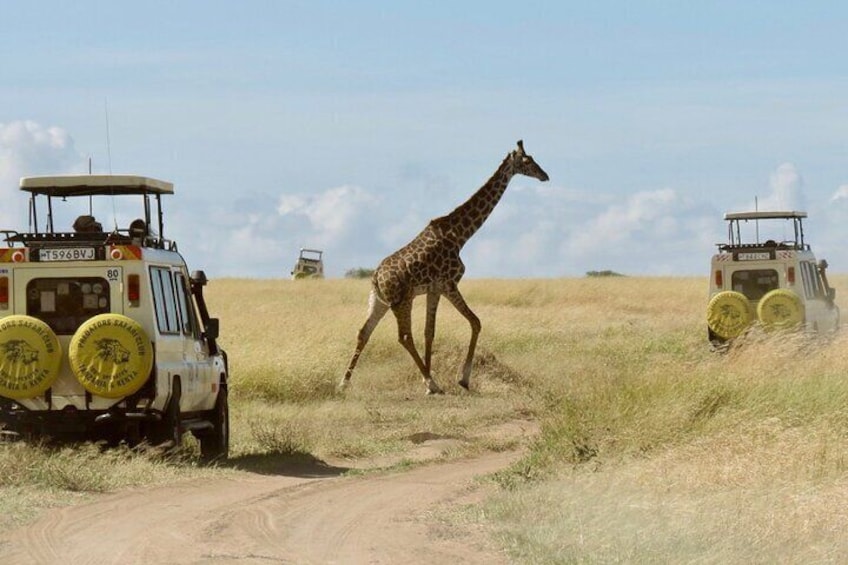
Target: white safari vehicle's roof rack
736	219
93	185
67	186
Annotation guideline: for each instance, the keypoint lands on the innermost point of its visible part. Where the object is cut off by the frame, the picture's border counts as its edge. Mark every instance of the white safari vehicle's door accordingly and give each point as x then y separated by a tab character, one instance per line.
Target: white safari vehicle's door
204	385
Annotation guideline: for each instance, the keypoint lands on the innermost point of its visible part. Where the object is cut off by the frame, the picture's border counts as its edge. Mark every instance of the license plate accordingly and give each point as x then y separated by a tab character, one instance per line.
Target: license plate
754	256
67	254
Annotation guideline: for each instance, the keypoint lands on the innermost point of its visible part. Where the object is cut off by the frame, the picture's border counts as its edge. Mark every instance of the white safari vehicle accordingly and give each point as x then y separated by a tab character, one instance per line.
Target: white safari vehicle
105	334
309	265
776	282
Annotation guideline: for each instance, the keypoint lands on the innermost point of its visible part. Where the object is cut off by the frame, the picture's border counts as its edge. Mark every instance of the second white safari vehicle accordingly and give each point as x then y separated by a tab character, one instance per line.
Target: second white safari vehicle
105	334
767	274
310	265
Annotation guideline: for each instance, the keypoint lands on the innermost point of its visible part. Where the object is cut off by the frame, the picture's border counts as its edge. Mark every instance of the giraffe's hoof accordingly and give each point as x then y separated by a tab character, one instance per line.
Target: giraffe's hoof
343	386
436	390
464	384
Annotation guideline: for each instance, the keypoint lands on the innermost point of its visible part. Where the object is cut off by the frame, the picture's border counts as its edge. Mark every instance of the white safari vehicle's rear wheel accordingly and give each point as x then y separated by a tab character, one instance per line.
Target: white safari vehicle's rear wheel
729	313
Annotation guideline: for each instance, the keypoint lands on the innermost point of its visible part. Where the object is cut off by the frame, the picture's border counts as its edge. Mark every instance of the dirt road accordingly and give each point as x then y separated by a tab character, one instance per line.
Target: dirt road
309	514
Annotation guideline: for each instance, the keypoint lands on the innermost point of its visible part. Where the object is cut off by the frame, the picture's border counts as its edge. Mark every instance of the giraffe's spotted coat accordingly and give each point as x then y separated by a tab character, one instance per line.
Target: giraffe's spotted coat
430	264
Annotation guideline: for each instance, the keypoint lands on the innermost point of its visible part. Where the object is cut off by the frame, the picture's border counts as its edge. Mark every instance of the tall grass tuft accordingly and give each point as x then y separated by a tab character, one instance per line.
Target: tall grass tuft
85	467
654	448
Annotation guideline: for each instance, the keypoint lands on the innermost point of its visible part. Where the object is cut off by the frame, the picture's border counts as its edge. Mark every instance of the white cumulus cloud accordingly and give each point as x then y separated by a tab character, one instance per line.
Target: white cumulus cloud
28	148
332	214
642	213
558	231
650	232
787	190
841	194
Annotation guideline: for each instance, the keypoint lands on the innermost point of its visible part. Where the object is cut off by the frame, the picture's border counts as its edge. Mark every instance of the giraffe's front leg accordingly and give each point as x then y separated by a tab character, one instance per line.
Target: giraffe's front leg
459	303
403	313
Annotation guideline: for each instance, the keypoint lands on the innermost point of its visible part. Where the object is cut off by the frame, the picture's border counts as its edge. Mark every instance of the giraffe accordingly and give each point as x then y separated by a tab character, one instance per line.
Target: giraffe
430	264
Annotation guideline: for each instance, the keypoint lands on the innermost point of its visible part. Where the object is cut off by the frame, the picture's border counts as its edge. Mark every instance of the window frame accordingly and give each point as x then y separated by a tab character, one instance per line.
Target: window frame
185	306
164	300
754	275
61	312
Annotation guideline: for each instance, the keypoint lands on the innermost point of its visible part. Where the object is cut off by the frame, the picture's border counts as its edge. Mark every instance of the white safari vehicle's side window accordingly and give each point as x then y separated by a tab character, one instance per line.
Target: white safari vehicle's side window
189	322
164	300
812	284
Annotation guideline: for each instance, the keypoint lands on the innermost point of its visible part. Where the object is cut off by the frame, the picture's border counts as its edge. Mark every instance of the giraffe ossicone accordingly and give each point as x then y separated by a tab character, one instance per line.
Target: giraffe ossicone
430	265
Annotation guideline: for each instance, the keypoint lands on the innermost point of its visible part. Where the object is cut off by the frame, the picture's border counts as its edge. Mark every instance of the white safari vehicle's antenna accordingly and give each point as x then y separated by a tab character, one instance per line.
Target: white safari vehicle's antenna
108	141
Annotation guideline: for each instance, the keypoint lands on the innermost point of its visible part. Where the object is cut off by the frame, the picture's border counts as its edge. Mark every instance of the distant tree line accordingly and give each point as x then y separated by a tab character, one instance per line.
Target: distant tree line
363	273
603	274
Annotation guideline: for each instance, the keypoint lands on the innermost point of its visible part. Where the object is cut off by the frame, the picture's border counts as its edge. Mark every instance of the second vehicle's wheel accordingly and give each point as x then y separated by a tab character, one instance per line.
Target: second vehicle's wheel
215	443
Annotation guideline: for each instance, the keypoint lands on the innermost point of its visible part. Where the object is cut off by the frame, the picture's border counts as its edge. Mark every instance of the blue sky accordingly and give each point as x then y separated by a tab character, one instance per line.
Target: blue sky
347	126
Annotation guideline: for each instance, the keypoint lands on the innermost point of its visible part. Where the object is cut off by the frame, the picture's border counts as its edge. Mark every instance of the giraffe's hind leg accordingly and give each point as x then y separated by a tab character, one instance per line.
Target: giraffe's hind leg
458	302
376	310
403	313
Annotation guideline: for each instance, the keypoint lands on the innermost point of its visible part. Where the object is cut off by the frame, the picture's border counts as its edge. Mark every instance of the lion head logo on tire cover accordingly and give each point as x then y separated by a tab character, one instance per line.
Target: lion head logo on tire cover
19	351
109	349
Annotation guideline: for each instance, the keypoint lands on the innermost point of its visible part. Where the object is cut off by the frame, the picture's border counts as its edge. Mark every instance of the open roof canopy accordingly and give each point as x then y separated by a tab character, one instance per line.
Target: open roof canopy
777	215
93	185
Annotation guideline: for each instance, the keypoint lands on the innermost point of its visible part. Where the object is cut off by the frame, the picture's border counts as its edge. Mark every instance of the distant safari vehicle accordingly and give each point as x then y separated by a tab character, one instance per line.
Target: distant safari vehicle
775	282
105	334
310	265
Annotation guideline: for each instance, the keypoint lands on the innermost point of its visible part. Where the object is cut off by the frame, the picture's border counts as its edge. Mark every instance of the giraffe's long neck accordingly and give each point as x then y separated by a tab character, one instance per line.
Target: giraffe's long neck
467	218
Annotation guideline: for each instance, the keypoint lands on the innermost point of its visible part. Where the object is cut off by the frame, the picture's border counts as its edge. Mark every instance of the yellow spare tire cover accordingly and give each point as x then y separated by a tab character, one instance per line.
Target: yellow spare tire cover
111	355
729	313
30	357
781	308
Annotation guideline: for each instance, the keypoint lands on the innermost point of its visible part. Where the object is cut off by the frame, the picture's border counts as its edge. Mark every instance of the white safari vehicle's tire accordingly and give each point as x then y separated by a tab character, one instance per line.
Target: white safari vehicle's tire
111	355
215	443
30	357
781	308
729	313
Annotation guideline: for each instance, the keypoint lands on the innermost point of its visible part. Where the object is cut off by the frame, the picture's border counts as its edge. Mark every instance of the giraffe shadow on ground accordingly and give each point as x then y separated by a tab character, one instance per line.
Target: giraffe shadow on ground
284	464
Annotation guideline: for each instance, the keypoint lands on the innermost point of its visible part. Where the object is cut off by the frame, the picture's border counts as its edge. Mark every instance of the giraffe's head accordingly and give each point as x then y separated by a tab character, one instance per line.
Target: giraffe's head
523	164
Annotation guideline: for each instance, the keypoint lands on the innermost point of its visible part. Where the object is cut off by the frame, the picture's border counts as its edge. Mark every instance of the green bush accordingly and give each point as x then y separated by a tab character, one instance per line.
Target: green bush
359	273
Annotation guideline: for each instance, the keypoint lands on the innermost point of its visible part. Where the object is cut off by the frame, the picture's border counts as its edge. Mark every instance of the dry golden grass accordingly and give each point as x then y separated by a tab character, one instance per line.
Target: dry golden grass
653	448
656	450
289	343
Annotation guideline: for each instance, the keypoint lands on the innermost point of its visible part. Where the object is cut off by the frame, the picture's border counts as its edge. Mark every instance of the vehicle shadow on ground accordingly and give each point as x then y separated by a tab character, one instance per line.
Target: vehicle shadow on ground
288	464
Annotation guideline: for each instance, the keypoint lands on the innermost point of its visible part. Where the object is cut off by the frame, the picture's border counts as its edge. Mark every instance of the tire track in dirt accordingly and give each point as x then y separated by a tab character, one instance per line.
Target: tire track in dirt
139	526
379	518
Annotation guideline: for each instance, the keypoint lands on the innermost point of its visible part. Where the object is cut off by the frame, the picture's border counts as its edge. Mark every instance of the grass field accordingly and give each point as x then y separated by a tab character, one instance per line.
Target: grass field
652	447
